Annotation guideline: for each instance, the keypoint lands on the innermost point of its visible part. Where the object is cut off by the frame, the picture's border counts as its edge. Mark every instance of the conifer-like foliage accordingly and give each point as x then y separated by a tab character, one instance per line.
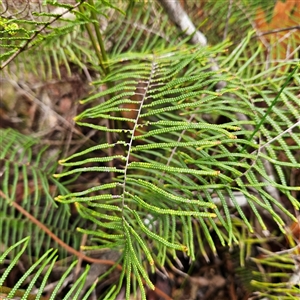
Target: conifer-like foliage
182	165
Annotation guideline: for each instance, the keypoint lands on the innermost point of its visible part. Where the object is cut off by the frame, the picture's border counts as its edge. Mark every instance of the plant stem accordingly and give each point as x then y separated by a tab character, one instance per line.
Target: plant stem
18	293
27	44
99	38
273	103
94	42
69	249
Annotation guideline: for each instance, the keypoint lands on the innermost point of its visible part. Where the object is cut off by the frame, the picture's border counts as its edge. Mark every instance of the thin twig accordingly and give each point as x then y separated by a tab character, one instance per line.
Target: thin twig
57	239
36	33
278	136
18	293
27	91
275	31
69	249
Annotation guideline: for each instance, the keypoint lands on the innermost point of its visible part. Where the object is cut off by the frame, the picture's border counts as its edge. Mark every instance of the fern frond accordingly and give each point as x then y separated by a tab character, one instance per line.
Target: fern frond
287	279
27	32
27	169
39	273
176	167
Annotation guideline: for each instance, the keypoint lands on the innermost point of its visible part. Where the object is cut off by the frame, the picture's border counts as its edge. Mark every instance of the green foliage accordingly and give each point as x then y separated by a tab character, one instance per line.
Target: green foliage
39	272
289	270
232	18
179	155
174	163
27	169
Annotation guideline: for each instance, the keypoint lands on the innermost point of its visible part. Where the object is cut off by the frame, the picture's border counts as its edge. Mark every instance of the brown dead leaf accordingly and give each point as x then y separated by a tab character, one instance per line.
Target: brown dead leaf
285	14
295	229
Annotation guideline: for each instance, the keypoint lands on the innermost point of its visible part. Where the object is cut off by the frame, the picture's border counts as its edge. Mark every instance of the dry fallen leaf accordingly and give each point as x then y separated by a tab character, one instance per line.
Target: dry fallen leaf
285	14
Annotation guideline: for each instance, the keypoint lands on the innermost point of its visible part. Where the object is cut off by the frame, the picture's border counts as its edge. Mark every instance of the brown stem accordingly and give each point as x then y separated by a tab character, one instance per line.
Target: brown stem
59	241
70	249
6	290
